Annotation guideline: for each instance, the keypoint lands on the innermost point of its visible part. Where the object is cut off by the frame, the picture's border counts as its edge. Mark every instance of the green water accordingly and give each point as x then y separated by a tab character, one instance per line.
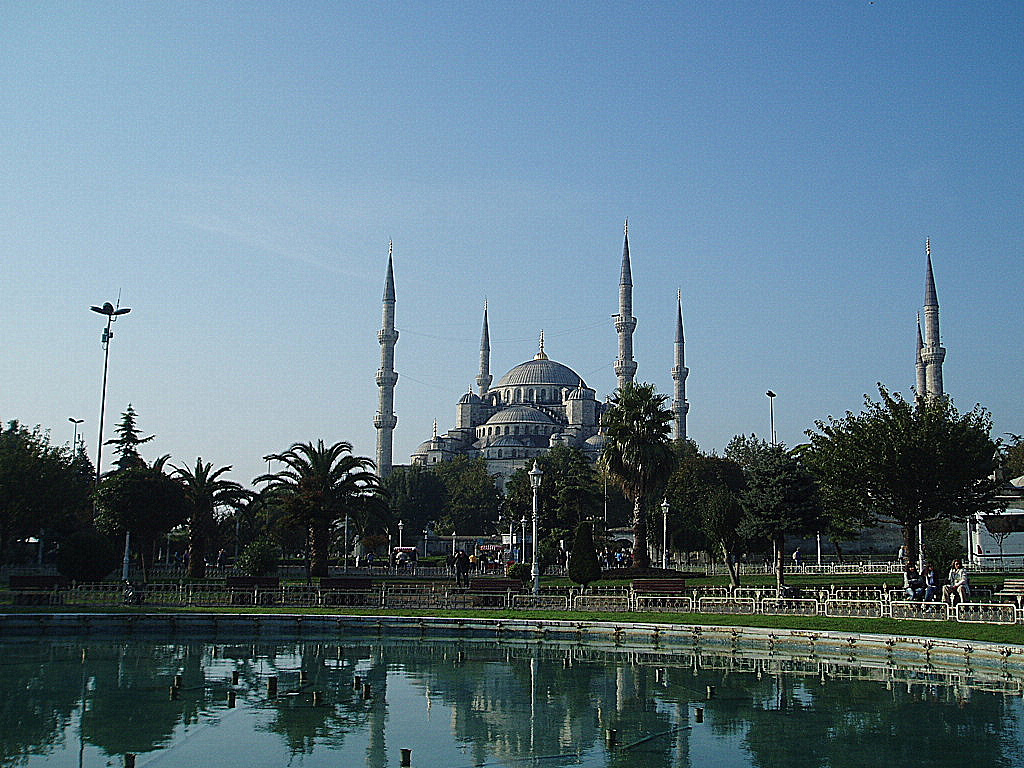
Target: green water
89	702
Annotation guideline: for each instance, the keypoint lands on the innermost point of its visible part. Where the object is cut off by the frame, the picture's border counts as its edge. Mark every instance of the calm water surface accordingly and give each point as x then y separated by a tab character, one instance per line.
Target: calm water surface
455	703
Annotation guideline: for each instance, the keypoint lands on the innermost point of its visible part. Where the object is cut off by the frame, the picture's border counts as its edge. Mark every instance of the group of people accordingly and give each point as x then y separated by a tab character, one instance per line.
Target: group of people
924	585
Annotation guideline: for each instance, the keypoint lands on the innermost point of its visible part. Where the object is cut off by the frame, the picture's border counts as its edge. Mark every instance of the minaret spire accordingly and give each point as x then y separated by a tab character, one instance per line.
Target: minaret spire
625	323
922	383
680	407
933	353
541	354
385	419
483	381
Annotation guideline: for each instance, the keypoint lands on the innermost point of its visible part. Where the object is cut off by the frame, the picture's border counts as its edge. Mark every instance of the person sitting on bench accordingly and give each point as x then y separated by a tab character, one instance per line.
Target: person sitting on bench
957	588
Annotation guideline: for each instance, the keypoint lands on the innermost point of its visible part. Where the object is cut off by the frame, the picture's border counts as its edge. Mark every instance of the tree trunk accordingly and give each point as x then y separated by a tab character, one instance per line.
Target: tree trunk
196	555
730	563
319	542
839	551
641	557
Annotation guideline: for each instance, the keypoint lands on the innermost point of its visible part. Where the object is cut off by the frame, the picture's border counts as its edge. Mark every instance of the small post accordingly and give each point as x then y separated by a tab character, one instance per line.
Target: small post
271	687
234	677
177	681
659	675
367	691
406	760
303	677
129	760
711	691
357	682
231	699
611	738
461	657
173	693
699	715
317	698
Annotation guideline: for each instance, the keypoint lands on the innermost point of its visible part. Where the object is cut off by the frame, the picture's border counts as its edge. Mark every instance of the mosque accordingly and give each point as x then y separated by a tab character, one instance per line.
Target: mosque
538	404
541	403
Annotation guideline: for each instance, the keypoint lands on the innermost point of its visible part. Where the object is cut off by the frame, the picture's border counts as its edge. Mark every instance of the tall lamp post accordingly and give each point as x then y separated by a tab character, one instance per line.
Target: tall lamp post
401	525
664	534
522	546
74	441
112	313
771	413
535	477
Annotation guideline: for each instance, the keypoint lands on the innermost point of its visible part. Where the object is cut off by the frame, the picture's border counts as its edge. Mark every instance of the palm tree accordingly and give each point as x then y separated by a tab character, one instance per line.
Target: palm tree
639	454
321	484
205	491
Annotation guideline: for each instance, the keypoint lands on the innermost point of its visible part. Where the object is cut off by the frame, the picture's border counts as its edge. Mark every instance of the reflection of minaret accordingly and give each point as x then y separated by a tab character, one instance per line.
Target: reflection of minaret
679	373
483	381
385	420
377	716
625	323
922	386
933	353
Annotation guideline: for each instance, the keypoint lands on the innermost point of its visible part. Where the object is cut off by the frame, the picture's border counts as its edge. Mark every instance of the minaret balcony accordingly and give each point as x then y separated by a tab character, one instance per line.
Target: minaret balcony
625	324
380	421
387	378
680	372
387	336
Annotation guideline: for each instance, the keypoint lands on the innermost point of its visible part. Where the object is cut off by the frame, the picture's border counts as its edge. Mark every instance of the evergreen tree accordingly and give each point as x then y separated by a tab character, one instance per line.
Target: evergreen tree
126	444
583	565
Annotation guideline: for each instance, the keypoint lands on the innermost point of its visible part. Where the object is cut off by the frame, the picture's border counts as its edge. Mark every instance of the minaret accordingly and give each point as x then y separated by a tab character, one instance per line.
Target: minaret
922	386
385	420
483	381
932	354
679	373
625	323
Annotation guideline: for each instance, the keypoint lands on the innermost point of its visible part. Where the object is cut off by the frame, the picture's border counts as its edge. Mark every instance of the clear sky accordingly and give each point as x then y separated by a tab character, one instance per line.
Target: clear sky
236	171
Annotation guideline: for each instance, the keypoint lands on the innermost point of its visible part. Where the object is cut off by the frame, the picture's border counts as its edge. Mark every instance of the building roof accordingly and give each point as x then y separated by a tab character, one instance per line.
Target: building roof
519	414
542	373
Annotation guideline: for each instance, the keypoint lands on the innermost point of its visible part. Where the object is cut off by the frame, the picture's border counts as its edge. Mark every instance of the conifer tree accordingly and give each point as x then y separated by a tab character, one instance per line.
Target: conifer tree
583	565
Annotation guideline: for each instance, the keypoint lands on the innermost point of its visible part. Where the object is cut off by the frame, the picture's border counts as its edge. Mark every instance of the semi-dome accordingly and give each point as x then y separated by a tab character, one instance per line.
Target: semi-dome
542	372
506	442
519	414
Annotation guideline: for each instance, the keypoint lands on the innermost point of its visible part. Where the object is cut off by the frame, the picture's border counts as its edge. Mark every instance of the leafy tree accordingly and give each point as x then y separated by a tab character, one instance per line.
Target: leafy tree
583	565
143	501
780	499
42	486
907	462
721	516
639	454
1012	457
205	492
472	496
126	444
320	484
418	496
259	558
86	555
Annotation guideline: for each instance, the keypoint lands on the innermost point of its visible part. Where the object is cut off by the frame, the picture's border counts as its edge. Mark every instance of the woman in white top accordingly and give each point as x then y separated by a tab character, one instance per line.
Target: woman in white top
956	587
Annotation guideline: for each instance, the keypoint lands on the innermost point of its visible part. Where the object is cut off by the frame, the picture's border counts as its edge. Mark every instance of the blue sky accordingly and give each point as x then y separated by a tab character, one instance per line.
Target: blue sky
237	170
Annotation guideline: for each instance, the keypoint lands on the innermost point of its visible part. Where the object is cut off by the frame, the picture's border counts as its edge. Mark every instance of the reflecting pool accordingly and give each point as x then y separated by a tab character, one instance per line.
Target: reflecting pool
454	703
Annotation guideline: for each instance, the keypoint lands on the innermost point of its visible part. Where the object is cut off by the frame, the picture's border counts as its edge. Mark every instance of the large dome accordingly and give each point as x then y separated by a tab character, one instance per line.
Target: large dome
541	372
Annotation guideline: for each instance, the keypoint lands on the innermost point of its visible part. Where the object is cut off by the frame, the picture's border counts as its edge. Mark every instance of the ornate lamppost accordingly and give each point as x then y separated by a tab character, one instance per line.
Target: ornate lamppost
664	534
535	477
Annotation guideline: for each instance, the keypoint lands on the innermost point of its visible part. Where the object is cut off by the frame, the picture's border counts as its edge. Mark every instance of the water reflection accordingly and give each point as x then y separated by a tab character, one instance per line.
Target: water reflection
89	703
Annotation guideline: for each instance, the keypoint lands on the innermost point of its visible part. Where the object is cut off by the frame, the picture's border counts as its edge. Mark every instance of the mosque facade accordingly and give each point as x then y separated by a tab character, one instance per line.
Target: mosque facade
536	405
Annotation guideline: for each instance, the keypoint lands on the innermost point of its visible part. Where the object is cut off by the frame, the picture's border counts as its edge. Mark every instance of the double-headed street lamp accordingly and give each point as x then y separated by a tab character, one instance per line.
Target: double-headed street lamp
535	477
401	525
112	313
74	442
771	413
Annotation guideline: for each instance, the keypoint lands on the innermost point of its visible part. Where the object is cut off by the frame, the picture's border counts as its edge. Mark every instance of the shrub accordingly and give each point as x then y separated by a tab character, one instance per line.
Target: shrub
259	558
519	571
583	565
86	555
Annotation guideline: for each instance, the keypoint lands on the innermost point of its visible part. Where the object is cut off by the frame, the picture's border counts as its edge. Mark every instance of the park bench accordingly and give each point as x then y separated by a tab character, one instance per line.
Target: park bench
37	589
491	591
253	590
1013	588
658	586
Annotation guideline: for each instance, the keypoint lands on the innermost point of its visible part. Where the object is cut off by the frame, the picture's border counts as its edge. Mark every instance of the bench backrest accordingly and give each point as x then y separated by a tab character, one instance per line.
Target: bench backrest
343	582
249	582
495	585
659	585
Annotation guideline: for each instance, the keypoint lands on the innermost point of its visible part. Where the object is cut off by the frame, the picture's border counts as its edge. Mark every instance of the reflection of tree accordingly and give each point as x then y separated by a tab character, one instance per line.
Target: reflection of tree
46	682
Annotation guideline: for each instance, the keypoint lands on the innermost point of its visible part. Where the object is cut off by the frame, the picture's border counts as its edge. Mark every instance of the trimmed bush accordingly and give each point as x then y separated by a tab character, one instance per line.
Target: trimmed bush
87	555
583	565
259	558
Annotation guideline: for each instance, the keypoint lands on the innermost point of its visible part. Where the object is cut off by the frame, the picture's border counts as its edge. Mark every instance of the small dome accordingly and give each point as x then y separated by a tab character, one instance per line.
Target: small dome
597	441
578	394
506	441
519	414
469	397
541	372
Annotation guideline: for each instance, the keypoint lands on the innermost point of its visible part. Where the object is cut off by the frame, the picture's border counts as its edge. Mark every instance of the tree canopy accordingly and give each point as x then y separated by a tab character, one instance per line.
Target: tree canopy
206	491
906	462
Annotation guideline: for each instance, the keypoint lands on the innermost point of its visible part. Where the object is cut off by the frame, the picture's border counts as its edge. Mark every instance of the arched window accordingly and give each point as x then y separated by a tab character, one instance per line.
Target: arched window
499	453
529	395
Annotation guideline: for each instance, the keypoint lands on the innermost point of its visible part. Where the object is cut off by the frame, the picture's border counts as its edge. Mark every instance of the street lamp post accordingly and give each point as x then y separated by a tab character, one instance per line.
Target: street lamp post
344	554
771	413
535	477
426	533
664	534
522	546
112	313
401	525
